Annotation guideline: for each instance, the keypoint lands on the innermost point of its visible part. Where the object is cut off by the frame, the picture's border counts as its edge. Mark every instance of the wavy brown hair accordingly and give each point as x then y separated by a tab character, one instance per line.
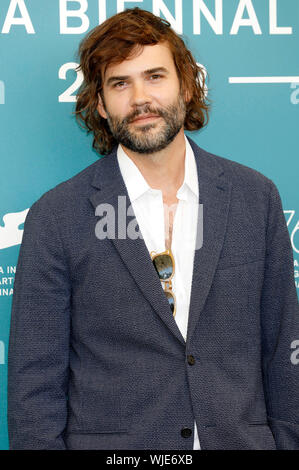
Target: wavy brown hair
114	41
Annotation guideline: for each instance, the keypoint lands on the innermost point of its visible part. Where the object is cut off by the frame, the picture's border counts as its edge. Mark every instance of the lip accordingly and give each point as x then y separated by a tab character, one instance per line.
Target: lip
147	117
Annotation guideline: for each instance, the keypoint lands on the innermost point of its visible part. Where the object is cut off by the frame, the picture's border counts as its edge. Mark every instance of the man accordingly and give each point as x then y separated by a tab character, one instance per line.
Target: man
169	335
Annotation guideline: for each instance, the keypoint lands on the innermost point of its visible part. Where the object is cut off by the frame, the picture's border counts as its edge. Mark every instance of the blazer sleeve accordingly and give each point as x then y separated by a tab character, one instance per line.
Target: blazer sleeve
280	329
38	352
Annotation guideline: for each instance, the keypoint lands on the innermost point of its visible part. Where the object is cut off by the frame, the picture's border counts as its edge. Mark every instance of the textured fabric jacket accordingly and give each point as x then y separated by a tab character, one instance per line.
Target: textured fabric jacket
96	360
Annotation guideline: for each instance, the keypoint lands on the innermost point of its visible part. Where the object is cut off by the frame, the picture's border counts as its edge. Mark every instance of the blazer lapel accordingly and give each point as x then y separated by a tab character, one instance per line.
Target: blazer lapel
111	189
214	195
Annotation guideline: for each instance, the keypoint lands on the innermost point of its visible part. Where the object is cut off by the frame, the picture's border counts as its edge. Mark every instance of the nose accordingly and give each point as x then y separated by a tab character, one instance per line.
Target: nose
140	95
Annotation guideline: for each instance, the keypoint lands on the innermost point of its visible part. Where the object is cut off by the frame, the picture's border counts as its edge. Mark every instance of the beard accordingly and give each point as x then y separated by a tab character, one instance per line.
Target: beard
144	139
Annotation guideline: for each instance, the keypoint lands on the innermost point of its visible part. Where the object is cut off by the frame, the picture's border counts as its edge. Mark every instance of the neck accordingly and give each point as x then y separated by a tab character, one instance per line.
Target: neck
165	169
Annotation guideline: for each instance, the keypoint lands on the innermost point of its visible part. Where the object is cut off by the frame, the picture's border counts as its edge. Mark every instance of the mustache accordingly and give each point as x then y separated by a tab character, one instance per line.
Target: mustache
145	110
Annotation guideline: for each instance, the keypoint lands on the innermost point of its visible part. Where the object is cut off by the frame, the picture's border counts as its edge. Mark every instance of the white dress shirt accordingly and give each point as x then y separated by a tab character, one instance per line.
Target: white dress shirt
148	207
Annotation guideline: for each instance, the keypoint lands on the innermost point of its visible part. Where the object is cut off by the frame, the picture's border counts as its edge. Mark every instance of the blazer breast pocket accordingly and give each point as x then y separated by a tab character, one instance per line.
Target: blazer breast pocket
237	259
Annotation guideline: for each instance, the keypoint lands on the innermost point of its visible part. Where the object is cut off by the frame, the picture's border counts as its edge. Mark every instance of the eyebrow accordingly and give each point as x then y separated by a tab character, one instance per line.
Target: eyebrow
146	72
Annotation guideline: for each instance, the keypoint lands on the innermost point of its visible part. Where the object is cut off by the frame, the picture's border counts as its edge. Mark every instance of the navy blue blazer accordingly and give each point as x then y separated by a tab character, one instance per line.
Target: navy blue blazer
96	359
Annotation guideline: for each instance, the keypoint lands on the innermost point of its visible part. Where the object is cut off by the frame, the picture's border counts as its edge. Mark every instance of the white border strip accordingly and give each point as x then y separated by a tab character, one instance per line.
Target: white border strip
263	80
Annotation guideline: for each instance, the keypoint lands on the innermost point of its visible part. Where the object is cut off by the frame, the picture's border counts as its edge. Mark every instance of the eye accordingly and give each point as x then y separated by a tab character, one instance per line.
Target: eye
156	76
119	84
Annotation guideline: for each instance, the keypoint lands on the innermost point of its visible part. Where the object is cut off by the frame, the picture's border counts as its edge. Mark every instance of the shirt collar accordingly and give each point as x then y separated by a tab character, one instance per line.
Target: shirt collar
137	185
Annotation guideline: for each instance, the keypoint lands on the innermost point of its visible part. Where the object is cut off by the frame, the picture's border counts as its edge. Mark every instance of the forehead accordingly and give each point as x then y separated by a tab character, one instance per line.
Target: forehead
150	57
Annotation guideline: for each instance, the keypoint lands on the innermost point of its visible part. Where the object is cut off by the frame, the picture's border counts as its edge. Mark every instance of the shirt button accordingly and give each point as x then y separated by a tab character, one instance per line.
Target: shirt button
190	359
186	432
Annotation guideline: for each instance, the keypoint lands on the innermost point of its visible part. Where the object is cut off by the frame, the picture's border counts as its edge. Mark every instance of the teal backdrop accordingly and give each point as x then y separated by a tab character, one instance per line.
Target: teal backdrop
249	49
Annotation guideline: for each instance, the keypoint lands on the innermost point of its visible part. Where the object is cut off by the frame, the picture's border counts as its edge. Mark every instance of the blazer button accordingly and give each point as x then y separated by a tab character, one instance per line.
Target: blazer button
190	359
186	432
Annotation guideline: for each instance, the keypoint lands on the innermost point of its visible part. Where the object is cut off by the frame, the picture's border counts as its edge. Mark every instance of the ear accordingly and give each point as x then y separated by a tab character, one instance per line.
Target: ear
101	108
187	96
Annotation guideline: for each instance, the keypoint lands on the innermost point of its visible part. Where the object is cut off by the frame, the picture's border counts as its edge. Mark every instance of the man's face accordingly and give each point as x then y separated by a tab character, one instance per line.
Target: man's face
142	101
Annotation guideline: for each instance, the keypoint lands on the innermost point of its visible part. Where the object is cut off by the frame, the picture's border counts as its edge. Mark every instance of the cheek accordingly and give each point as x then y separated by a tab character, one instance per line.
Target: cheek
167	95
119	106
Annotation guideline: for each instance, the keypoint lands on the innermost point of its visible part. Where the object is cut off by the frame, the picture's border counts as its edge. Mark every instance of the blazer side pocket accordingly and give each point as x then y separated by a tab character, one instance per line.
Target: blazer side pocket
101	412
